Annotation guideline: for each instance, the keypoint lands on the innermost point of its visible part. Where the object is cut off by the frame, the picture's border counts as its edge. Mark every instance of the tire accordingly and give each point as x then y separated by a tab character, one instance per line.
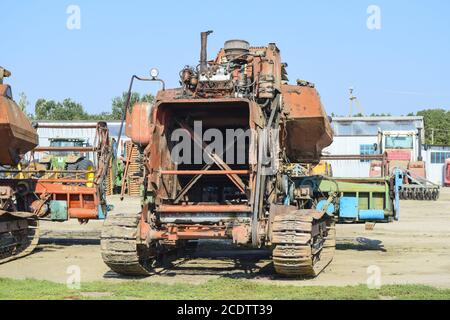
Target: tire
82	165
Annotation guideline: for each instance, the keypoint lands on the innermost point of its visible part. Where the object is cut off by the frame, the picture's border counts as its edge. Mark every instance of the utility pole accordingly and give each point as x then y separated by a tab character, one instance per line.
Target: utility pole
353	99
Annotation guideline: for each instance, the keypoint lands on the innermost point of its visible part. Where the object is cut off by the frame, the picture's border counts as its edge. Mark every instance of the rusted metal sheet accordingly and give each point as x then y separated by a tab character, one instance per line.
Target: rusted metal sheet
17	135
210	208
175	232
307	125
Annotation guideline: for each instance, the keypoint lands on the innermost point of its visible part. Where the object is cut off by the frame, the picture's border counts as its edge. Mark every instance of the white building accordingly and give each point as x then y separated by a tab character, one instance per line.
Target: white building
435	157
359	135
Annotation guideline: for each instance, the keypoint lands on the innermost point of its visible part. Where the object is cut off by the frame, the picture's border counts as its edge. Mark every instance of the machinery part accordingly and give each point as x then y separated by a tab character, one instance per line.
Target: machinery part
18	136
447	173
19	233
412	192
85	165
125	253
305	242
419	188
18	237
4	74
120	248
203	51
235	49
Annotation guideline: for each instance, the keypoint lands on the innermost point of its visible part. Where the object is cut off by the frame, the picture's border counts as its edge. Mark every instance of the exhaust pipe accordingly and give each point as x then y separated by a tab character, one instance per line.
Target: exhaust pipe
203	51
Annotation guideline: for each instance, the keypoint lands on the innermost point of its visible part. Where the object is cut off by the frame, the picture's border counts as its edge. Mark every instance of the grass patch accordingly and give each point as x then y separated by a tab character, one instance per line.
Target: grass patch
219	289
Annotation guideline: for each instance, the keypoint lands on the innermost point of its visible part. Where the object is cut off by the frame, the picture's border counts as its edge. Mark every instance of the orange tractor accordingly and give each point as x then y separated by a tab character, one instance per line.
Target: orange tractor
228	155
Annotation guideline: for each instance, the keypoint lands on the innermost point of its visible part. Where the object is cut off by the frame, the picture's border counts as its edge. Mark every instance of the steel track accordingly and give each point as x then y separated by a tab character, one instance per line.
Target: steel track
304	245
18	237
120	249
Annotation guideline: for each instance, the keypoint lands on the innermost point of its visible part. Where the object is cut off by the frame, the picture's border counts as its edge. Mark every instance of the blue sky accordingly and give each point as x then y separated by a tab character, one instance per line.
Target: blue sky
402	68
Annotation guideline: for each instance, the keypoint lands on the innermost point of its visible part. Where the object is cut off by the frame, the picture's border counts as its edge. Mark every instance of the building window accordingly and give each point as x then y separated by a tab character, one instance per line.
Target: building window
366	149
439	157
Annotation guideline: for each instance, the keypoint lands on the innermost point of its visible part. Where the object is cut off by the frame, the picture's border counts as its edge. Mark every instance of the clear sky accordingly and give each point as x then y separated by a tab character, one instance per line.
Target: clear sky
401	68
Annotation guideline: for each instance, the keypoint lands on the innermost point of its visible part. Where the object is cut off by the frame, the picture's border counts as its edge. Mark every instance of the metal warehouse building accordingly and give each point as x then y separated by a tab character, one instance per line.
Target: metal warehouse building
435	157
88	134
357	136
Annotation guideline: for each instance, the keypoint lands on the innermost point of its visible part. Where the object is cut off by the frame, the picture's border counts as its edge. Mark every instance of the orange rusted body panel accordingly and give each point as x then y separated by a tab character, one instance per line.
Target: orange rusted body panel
17	135
141	129
307	125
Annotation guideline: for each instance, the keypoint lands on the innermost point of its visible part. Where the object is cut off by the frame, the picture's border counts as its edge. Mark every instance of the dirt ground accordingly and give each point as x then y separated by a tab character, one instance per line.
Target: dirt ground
415	250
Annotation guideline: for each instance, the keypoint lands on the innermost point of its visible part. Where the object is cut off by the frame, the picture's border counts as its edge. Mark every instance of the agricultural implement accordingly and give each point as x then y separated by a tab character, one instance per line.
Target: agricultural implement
30	192
402	151
230	155
18	230
418	188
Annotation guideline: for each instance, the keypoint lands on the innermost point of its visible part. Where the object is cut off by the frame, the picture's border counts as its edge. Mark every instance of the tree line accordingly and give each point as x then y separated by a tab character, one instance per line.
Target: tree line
437	121
69	109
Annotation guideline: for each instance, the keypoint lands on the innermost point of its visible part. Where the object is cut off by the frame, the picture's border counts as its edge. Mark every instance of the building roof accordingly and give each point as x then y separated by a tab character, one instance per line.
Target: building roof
375	119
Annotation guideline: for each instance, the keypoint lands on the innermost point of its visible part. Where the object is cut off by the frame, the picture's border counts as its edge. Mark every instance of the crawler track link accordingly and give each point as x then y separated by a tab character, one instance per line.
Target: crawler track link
18	237
120	249
304	243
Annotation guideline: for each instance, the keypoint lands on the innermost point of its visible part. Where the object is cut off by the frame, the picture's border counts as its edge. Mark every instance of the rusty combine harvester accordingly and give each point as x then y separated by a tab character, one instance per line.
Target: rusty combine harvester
19	232
229	155
30	192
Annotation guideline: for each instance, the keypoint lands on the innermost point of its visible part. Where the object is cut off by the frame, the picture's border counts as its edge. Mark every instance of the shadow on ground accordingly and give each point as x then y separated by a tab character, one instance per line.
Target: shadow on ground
360	244
223	260
68	242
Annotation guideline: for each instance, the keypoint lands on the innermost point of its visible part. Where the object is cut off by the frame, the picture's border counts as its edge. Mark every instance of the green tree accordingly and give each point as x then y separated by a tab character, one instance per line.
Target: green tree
437	126
380	115
23	102
118	103
71	110
66	110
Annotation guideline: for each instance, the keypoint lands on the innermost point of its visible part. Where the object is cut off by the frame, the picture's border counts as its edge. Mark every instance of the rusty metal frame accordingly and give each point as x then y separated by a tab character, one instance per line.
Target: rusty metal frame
198	207
175	232
204	172
214	157
191	183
